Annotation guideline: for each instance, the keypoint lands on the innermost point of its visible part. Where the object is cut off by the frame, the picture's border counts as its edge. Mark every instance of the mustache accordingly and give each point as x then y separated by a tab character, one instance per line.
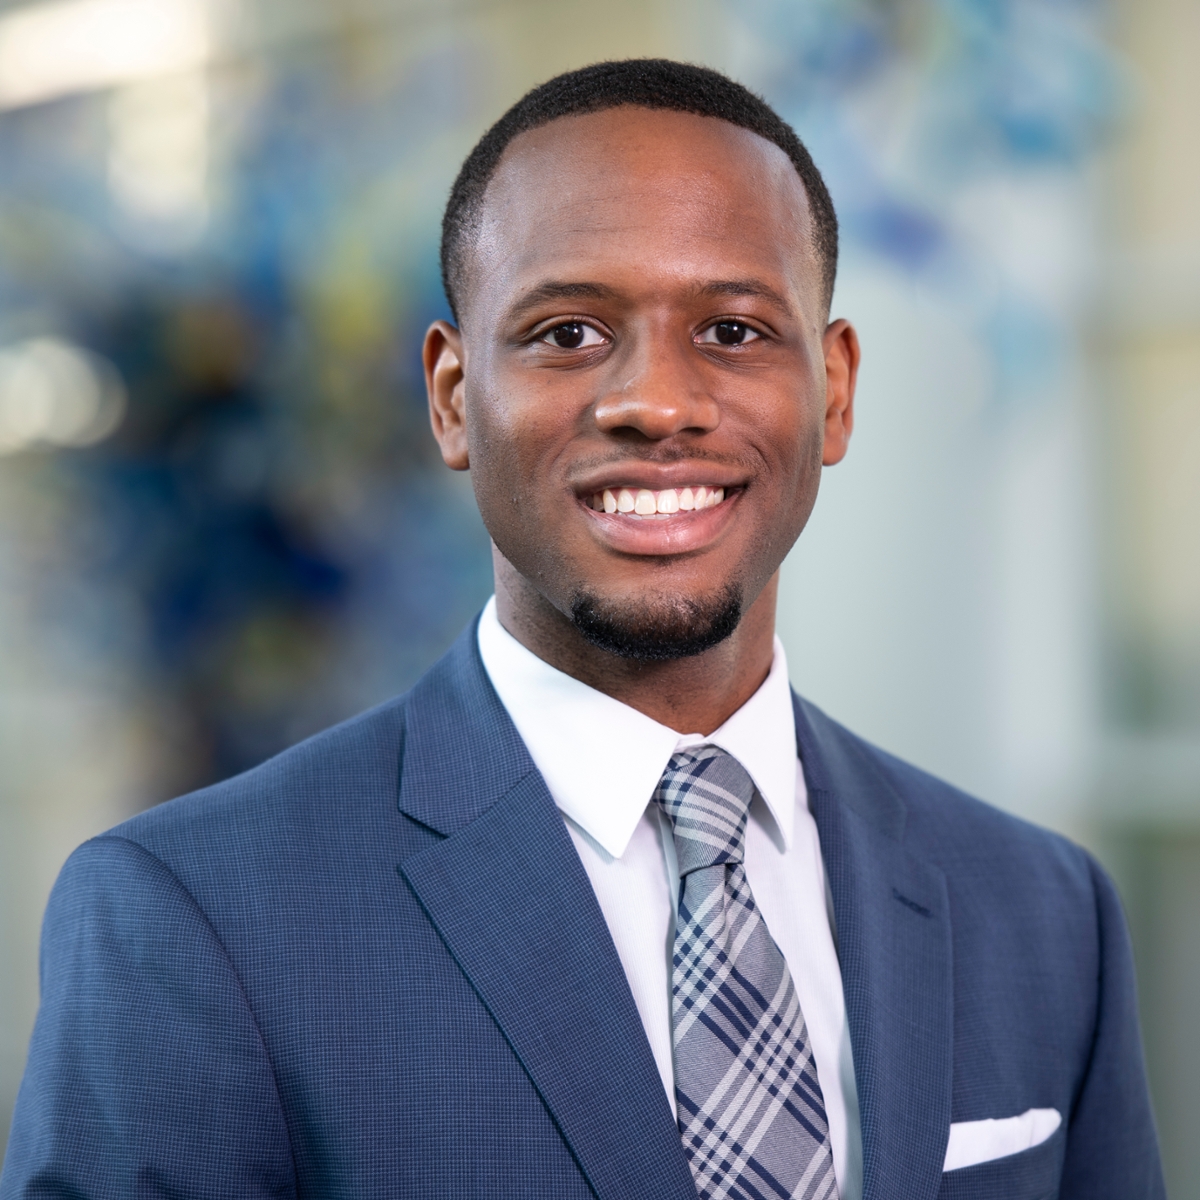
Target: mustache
659	457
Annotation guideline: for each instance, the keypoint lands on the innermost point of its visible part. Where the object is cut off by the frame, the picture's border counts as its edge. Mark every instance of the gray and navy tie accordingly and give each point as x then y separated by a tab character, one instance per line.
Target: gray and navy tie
751	1114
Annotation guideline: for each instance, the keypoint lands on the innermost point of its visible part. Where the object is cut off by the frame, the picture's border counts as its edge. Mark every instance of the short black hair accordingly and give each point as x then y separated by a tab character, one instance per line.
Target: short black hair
644	83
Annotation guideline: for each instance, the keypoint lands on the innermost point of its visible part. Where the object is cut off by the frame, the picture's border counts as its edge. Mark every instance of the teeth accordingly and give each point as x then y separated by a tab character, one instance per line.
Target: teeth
643	502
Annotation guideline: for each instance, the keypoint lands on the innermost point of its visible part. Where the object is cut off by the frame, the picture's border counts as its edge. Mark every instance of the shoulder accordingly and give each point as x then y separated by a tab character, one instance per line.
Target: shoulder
971	841
1034	922
342	772
268	871
309	827
296	831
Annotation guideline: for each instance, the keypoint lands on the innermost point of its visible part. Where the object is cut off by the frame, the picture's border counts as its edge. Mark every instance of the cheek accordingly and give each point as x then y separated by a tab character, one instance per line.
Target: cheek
514	437
806	468
807	475
493	475
790	428
791	454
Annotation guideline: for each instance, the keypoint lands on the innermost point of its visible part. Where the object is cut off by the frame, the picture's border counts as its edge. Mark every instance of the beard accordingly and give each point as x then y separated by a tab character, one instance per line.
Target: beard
658	632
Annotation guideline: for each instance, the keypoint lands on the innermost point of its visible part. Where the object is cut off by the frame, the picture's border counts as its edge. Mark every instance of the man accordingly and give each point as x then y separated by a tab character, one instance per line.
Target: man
600	908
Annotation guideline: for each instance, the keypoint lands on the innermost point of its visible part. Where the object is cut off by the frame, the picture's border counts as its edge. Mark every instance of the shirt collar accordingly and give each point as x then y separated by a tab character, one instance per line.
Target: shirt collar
602	759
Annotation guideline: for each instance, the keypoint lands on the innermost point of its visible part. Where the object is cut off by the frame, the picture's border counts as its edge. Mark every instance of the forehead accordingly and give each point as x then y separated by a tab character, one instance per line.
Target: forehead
653	195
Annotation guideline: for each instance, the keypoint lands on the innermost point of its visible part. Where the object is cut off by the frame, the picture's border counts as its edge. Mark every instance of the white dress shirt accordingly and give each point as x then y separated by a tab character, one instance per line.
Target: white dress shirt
601	761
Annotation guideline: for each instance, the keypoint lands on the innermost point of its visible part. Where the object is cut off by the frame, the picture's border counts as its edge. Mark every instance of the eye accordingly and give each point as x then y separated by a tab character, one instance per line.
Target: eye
727	333
572	335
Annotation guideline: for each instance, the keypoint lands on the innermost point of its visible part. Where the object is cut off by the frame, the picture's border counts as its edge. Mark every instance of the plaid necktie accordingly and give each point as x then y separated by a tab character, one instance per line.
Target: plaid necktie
751	1113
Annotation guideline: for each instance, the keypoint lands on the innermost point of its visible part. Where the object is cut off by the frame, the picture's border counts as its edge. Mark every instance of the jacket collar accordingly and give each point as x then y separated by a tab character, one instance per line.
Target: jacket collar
892	914
461	752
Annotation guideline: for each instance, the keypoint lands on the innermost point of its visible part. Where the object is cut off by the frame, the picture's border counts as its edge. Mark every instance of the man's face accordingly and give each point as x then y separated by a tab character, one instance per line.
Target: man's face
642	397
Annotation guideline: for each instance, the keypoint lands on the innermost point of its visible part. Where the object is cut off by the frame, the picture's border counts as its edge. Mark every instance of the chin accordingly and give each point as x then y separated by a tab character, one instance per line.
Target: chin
658	628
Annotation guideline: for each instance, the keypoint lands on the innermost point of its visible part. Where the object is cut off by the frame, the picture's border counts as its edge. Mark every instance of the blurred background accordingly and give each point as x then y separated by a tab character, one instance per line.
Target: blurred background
223	524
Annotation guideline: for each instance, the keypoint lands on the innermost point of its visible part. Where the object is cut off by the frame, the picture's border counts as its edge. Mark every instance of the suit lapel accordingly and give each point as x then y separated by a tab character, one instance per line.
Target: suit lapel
507	893
894	945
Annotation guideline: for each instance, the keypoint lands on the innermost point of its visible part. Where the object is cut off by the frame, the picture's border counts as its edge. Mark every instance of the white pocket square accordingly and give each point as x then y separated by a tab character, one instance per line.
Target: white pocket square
973	1142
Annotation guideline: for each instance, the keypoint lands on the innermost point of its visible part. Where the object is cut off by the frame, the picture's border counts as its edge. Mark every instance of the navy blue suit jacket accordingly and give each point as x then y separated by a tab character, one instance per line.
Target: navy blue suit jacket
375	968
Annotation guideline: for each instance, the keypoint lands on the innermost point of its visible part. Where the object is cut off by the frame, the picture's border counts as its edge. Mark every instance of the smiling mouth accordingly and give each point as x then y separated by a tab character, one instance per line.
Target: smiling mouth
644	503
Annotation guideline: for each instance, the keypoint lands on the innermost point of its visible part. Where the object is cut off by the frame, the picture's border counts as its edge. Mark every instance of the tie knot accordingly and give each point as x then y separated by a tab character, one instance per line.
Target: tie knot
706	795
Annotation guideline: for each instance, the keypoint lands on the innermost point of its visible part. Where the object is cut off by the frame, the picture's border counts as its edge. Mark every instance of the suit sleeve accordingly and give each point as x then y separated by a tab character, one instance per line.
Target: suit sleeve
1112	1147
147	1075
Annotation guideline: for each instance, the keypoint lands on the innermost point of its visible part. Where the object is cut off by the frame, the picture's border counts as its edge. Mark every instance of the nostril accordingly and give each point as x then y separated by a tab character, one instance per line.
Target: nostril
656	417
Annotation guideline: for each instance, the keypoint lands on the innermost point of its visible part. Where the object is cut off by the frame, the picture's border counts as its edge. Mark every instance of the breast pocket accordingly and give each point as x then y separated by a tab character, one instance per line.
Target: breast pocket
1031	1175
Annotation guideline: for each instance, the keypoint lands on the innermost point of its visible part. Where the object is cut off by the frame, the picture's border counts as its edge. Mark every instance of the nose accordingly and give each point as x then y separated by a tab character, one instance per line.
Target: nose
662	395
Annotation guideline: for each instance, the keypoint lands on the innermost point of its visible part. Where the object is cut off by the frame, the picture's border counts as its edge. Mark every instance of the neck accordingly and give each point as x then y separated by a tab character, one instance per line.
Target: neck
691	695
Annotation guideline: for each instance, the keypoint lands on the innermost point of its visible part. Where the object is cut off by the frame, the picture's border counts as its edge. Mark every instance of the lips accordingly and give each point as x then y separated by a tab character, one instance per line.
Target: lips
638	502
669	530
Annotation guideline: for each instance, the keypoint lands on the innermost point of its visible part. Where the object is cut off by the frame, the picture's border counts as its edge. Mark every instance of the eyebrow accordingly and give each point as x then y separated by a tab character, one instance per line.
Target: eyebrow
747	287
555	290
583	290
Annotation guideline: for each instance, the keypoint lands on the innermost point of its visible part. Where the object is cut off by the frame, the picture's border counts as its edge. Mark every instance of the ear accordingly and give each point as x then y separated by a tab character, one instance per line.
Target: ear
442	356
841	373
